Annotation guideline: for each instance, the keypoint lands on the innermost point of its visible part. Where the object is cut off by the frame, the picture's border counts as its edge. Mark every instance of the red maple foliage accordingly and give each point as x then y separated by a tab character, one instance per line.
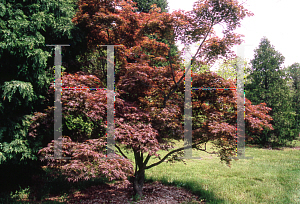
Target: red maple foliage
149	100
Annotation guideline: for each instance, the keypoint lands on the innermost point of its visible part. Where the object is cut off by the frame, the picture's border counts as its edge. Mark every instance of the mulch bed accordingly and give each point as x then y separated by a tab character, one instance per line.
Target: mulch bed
155	193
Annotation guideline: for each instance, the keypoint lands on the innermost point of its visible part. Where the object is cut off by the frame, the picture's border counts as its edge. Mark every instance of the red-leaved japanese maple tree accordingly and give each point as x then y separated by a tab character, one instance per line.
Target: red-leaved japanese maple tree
149	100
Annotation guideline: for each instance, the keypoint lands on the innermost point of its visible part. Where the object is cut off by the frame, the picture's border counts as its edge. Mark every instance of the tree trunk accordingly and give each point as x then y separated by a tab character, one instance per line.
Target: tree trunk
139	175
138	182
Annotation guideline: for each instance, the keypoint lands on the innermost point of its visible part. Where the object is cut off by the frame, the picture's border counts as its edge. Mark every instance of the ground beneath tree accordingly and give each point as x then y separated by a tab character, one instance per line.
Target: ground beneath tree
155	193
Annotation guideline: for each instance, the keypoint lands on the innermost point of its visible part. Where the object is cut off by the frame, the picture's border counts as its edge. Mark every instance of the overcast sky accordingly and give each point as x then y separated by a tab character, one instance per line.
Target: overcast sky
278	20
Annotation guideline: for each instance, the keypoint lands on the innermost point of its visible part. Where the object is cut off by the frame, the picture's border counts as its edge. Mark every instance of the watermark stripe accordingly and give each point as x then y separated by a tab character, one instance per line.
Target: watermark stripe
58	104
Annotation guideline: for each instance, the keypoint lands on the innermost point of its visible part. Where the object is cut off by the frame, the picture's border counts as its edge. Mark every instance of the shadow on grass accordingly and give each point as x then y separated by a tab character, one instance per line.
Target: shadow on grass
193	186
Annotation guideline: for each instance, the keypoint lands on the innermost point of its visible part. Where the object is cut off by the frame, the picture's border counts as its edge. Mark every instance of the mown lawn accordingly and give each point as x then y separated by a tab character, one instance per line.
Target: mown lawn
272	176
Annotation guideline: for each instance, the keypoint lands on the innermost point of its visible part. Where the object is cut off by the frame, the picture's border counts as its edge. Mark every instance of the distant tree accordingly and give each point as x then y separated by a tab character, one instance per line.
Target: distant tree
293	72
269	85
228	69
145	5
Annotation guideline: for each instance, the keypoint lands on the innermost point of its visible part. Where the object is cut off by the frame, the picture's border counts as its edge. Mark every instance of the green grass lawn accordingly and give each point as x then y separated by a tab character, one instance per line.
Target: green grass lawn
272	176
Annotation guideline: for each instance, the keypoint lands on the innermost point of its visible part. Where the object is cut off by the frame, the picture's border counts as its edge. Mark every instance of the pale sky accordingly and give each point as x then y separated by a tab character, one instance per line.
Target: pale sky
278	20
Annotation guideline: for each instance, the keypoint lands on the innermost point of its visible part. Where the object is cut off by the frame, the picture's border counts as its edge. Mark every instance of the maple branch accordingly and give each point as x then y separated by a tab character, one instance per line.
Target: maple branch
177	150
135	169
147	159
121	151
174	88
107	34
212	24
171	65
138	160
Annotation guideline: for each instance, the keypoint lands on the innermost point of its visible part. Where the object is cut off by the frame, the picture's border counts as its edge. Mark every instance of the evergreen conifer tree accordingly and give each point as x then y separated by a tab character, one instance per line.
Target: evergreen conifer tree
269	85
26	70
293	72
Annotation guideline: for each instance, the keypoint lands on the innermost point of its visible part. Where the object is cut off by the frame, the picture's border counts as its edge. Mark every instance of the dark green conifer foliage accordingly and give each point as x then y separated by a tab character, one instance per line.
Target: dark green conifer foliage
269	85
26	68
293	73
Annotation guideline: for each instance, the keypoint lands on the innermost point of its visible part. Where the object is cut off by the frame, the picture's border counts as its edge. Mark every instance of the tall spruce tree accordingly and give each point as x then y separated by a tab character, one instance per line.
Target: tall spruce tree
269	85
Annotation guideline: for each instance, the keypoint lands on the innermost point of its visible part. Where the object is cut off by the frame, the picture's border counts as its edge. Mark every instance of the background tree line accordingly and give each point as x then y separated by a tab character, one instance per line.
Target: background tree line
268	81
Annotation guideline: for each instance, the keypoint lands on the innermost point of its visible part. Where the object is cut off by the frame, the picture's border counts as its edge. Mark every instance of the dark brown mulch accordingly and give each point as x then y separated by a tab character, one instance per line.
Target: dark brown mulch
155	193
